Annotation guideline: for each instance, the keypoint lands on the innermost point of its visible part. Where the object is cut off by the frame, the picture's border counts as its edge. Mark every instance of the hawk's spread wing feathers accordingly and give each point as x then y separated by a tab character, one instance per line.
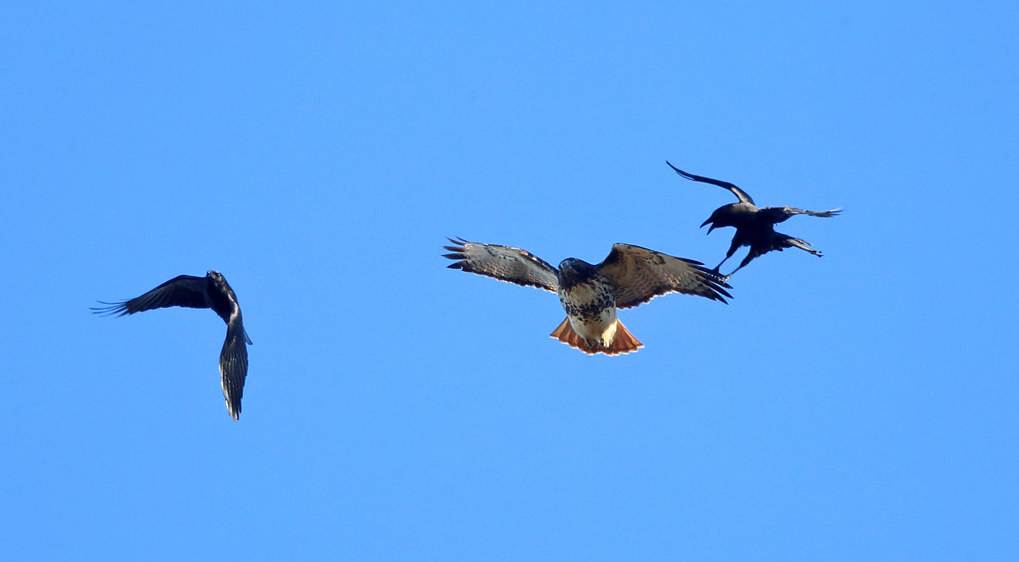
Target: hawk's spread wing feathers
743	196
504	263
640	274
183	290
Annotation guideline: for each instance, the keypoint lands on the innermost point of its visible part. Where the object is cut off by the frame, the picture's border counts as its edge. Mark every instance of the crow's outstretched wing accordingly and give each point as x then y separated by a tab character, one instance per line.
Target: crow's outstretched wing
183	290
743	196
778	214
233	368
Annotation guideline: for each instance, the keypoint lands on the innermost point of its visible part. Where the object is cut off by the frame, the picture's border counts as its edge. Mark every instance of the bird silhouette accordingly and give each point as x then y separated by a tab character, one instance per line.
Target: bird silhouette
211	291
755	227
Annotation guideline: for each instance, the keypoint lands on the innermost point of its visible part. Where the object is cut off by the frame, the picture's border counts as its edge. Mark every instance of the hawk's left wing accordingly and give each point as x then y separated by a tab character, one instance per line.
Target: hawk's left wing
504	263
640	274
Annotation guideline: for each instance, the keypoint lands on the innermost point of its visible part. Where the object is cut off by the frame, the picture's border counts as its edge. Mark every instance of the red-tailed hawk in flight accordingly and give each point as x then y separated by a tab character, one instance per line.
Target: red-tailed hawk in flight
755	227
590	294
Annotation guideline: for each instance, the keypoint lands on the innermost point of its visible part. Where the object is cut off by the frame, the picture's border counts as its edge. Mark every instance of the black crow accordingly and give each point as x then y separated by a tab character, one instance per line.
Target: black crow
211	291
755	227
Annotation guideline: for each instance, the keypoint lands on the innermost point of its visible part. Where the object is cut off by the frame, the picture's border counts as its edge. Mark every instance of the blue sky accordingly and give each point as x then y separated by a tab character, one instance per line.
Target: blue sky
859	406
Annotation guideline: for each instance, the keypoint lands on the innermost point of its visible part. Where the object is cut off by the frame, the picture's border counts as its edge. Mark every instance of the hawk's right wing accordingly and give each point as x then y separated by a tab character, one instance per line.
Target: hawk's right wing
503	263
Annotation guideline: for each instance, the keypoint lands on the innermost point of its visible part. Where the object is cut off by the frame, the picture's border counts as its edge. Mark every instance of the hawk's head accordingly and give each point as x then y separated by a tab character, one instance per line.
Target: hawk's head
573	271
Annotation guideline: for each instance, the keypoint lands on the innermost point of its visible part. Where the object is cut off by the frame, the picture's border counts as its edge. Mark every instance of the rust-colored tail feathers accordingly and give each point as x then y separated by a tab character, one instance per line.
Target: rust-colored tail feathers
622	342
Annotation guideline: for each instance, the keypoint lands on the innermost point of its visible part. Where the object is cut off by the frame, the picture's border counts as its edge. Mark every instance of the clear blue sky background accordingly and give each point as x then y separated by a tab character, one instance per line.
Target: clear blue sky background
863	406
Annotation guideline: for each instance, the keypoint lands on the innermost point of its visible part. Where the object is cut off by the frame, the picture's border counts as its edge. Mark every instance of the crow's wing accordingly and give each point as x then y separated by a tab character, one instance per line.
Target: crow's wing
779	214
233	367
739	193
183	290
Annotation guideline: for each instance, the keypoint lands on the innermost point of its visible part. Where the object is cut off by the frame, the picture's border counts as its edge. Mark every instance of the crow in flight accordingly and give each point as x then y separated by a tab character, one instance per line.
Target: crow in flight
211	291
755	227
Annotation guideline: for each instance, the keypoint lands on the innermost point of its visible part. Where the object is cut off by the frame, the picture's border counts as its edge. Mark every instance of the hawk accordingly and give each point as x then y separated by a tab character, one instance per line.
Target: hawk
211	291
590	294
755	227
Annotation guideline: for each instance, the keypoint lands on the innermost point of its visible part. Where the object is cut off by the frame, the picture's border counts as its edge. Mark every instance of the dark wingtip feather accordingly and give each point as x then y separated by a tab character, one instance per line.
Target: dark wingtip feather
458	248
717	283
458	253
678	171
110	308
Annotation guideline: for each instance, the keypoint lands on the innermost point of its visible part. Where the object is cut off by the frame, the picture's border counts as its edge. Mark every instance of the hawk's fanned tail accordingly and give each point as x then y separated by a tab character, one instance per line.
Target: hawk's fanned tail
622	342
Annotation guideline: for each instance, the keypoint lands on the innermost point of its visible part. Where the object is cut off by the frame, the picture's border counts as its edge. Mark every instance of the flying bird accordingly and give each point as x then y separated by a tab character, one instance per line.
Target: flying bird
211	291
590	294
755	227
